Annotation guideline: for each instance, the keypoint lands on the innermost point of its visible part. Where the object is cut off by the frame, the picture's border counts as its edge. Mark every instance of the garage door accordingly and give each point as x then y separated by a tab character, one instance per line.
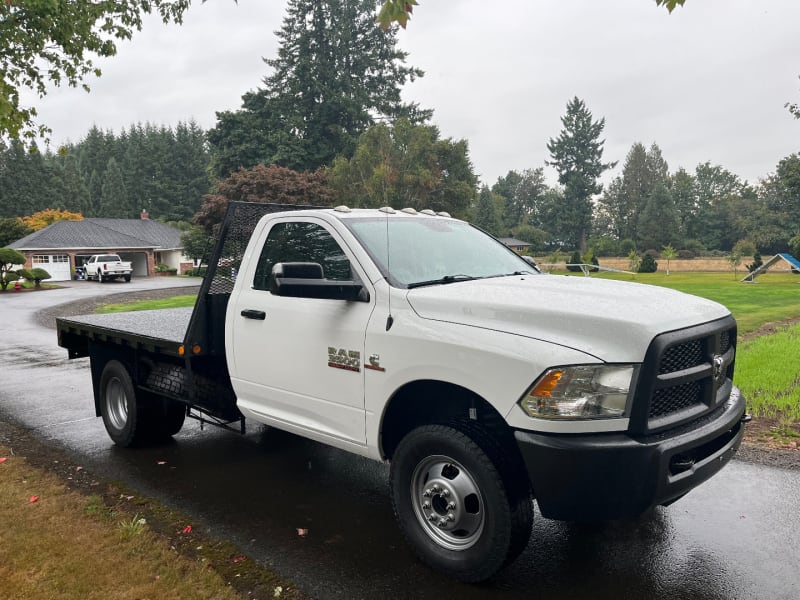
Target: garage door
56	264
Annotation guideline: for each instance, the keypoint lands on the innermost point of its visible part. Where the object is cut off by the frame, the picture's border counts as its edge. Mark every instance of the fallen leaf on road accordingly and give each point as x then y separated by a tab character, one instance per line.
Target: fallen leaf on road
302	532
161	462
187	529
33	499
239	559
3	459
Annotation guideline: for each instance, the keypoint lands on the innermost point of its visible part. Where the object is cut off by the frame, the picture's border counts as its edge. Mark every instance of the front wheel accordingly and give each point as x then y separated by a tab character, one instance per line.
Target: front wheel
459	501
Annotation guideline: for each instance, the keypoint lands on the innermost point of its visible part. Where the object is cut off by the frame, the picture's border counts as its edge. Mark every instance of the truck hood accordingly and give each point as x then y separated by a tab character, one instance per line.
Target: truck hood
613	321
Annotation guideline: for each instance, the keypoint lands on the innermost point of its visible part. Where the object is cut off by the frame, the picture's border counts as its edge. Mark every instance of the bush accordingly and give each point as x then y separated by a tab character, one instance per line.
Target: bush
162	268
198	272
757	262
648	264
590	259
575	259
35	275
626	247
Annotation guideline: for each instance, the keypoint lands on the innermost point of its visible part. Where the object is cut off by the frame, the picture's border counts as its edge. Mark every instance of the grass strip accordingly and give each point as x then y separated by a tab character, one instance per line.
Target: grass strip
768	373
58	543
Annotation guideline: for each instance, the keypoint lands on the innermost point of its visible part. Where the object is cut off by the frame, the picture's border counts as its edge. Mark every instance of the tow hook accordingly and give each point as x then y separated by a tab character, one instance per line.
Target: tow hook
746	418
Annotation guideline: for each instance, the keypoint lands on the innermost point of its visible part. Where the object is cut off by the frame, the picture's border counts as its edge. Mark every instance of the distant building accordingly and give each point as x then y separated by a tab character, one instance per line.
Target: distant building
515	245
64	245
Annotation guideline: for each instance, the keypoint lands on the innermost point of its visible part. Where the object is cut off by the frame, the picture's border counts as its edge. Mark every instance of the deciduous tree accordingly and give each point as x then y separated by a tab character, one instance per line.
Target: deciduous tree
273	184
54	42
43	218
406	165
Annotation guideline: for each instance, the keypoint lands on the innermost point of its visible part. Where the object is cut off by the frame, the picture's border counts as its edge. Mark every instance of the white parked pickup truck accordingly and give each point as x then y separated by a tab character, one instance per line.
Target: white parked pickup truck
414	338
105	267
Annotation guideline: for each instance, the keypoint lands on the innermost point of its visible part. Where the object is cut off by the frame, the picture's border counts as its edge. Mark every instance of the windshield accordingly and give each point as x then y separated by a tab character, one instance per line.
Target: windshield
427	251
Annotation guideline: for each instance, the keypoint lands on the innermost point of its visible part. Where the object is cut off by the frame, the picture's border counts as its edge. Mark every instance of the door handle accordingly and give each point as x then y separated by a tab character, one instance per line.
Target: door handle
258	315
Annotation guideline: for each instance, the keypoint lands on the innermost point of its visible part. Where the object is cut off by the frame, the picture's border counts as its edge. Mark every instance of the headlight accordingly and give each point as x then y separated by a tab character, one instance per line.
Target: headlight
580	392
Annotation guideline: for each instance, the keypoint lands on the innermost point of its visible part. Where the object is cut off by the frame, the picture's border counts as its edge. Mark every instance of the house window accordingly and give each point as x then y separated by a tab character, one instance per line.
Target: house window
46	259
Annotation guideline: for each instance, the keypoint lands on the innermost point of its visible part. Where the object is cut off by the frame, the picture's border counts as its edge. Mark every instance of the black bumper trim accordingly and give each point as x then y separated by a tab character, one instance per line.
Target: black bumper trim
610	476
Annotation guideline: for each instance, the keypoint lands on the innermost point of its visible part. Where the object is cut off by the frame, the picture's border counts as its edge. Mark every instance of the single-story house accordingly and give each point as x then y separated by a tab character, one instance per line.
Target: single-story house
515	245
64	245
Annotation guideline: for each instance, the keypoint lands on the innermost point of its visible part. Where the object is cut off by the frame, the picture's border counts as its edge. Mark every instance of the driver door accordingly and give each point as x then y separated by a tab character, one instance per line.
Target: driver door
298	361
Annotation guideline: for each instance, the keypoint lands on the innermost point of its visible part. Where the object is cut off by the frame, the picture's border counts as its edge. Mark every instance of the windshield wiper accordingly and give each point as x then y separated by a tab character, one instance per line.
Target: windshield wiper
441	280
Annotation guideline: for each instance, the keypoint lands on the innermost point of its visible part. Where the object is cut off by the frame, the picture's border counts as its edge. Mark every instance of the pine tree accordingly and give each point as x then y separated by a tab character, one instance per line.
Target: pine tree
577	155
486	214
113	197
335	74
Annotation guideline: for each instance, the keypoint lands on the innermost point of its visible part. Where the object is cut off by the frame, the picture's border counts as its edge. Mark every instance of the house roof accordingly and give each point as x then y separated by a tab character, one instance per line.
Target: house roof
513	242
102	233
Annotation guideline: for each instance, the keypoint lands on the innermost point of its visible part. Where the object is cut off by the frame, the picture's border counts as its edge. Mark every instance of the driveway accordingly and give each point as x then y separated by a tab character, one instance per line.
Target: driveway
734	537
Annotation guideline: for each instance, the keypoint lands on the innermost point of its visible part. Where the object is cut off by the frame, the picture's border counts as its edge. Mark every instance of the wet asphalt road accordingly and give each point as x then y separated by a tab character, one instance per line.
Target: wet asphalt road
735	537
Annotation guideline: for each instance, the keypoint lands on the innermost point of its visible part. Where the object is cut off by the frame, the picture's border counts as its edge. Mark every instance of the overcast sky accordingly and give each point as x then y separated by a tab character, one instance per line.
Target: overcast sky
706	83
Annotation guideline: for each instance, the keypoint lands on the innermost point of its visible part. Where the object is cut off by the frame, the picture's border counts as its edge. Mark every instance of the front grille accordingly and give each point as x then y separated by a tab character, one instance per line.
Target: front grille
682	356
673	399
680	380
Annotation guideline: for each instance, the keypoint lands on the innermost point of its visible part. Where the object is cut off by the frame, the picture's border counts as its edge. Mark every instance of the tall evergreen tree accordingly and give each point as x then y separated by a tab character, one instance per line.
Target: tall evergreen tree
335	74
73	187
113	197
658	221
486	214
683	196
577	155
713	186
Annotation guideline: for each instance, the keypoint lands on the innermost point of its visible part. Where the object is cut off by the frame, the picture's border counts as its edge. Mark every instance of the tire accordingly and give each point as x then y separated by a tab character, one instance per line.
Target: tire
100	277
460	501
127	278
123	413
172	418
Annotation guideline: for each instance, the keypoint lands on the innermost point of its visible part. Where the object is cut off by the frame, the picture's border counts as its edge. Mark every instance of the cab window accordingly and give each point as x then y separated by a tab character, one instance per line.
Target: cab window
301	242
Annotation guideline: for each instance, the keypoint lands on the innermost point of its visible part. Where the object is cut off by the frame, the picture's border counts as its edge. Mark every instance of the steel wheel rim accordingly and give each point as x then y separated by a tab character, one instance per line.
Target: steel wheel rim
116	403
447	502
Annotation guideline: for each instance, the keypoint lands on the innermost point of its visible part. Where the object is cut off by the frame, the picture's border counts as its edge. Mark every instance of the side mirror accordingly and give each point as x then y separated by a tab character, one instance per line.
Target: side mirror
531	262
306	280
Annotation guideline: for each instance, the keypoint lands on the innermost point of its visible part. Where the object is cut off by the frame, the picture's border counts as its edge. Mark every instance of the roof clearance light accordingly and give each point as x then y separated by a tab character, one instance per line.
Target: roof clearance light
181	350
409	211
443	214
342	208
427	211
196	349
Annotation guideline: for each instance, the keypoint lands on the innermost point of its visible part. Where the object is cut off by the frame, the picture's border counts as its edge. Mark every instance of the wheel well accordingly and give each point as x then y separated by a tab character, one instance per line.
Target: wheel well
436	402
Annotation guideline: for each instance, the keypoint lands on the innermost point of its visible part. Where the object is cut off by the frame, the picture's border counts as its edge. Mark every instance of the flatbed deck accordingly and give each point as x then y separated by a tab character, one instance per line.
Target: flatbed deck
161	330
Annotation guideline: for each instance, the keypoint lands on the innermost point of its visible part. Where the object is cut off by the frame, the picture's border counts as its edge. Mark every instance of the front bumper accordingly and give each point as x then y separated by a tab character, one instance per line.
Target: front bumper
612	476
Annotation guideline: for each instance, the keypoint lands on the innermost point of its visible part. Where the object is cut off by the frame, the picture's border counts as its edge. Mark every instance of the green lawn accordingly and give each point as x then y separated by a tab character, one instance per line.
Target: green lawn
768	373
774	297
173	302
